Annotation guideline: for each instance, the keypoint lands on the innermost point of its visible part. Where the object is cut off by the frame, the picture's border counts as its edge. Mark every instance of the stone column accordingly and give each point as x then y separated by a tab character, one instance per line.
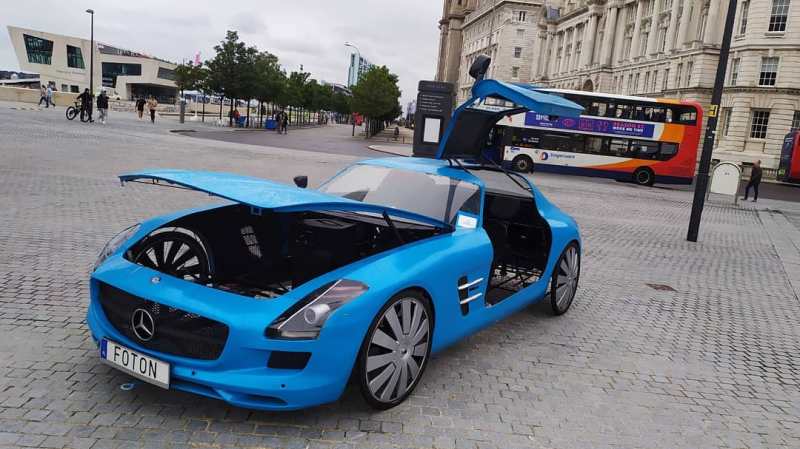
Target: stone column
588	38
637	31
548	52
454	51
558	39
712	24
683	29
619	35
652	43
608	34
673	26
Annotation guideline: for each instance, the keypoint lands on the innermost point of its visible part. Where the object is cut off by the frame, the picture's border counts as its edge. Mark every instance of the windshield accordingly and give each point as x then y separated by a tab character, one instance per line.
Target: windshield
433	196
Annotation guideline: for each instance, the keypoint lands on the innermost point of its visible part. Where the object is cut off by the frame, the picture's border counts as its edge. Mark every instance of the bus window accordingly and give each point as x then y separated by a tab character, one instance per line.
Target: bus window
668	150
597	109
685	115
659	114
594	145
644	149
618	147
561	142
528	138
611	111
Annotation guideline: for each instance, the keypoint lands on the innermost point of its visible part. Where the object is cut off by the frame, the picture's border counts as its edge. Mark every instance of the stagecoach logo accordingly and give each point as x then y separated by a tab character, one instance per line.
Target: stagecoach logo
143	324
543	156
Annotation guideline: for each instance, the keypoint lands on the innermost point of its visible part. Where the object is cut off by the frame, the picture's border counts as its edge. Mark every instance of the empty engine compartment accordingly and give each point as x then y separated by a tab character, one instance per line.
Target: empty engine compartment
268	255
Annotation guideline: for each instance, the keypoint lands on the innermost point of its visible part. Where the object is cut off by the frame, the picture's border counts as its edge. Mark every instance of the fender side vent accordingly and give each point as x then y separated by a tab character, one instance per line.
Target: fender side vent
288	360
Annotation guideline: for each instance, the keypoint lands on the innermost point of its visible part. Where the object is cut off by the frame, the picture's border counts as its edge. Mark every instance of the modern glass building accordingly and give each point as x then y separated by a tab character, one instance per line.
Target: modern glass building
358	66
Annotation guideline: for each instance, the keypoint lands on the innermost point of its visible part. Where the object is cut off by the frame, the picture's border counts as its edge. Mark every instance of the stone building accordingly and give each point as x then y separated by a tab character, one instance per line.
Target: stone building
502	29
670	48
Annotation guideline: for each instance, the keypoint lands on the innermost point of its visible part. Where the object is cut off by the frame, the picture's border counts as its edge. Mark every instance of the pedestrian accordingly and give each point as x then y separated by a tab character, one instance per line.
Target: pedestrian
43	95
86	104
102	106
140	106
284	122
49	96
152	104
755	180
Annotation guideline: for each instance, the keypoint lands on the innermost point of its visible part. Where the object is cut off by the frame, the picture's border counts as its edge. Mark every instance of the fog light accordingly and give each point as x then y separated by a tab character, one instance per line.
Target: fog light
316	314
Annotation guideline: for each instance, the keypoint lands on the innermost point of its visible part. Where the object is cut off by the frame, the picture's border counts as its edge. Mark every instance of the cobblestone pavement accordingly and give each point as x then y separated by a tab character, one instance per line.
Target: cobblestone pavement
713	364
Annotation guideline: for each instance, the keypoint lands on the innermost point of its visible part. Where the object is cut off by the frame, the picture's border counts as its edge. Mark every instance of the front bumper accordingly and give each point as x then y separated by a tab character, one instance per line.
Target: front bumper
240	376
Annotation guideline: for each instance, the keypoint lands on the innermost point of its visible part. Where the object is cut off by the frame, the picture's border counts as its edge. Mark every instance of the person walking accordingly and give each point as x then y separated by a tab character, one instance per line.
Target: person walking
152	104
43	95
140	106
49	97
284	122
755	180
102	106
86	104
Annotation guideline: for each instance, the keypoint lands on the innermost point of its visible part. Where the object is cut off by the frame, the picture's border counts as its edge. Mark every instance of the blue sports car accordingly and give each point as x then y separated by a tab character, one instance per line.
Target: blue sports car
279	297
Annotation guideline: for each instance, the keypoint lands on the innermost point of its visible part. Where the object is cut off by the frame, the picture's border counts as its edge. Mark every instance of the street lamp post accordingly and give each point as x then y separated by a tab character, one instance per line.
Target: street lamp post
358	71
701	183
91	55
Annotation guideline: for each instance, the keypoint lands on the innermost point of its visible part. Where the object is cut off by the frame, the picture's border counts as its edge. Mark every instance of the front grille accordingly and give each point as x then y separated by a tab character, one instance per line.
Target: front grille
177	332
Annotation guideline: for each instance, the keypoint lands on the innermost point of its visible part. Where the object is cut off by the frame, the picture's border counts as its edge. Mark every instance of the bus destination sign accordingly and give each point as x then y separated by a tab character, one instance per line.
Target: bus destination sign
592	125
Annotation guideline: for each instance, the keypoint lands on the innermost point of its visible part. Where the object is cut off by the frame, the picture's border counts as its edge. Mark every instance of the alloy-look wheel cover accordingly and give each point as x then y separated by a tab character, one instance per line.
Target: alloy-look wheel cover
398	349
567	277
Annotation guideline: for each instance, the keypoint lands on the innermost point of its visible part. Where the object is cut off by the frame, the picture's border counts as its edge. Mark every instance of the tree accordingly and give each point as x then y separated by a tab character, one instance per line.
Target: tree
340	103
376	95
225	68
189	76
271	80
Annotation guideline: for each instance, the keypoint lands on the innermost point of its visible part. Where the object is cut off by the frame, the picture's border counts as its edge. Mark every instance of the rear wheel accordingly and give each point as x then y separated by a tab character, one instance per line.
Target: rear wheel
522	164
395	351
72	112
564	283
644	176
176	254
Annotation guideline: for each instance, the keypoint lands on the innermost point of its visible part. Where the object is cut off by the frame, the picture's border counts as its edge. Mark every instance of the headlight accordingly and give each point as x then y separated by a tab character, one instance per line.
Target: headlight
114	244
304	320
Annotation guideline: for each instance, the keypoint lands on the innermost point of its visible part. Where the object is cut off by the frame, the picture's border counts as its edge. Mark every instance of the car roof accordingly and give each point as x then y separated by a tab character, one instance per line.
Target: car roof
426	165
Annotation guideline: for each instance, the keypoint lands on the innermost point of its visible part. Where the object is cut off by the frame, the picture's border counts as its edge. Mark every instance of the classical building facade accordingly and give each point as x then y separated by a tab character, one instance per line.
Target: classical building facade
670	48
502	29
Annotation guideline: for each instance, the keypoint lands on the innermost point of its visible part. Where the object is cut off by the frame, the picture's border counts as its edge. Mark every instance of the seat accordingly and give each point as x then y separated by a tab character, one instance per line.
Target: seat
501	211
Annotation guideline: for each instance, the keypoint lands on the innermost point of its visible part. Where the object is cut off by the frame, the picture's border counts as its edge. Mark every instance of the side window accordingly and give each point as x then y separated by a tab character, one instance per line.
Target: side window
644	149
594	145
618	147
668	151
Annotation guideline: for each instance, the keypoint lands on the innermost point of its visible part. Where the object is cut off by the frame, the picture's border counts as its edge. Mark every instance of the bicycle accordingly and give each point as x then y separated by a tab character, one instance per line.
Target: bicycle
75	110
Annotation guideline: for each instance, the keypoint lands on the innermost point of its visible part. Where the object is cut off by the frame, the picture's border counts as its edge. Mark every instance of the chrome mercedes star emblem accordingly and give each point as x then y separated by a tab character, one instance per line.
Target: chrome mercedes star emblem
143	324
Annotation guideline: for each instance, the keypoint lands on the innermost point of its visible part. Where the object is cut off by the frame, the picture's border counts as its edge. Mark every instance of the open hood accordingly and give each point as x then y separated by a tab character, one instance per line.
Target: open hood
468	130
261	194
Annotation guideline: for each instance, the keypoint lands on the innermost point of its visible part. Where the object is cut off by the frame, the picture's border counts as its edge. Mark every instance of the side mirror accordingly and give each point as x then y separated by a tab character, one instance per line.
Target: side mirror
479	67
301	181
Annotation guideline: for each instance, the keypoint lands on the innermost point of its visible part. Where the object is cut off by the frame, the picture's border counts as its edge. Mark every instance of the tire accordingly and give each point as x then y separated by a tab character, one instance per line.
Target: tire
644	177
564	282
164	252
386	362
522	164
84	117
72	112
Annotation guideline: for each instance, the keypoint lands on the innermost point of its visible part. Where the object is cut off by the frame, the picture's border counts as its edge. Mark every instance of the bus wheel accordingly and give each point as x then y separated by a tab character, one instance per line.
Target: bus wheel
644	177
523	164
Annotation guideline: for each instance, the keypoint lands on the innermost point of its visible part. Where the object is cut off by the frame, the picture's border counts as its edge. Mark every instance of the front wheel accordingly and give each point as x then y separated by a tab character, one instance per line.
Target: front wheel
564	283
644	177
395	351
522	164
72	112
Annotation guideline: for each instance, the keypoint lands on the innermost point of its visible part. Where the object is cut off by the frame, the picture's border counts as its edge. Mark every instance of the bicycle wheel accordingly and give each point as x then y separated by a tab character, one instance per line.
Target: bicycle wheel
72	111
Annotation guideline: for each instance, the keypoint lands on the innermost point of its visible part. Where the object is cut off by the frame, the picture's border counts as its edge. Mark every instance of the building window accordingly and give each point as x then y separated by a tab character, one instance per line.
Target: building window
745	10
40	51
515	72
796	120
726	121
665	81
167	74
662	39
769	71
734	71
780	12
74	57
646	81
758	124
655	77
521	16
689	67
678	76
517	52
111	70
666	5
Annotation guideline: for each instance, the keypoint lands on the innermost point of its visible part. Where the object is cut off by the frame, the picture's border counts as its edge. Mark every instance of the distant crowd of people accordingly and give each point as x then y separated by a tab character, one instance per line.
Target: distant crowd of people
86	105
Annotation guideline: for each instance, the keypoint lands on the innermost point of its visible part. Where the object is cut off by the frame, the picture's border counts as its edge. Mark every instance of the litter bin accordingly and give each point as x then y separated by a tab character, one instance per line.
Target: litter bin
270	123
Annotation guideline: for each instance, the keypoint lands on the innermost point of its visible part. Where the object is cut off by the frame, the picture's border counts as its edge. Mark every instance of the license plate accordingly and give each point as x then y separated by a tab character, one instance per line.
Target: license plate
134	363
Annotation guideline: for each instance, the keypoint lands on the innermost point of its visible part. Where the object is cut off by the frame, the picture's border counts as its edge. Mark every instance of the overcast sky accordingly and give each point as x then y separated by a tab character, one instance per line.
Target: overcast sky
402	35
